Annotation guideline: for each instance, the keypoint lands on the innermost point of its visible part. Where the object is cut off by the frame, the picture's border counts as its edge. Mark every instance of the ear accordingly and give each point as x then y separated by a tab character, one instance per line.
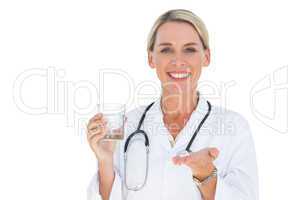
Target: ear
206	58
150	59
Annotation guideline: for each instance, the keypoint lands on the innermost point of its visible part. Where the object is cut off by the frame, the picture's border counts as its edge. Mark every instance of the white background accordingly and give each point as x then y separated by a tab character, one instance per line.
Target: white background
45	156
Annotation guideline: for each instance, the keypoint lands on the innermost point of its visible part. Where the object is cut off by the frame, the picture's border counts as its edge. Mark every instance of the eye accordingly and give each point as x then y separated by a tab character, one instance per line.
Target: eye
190	50
165	50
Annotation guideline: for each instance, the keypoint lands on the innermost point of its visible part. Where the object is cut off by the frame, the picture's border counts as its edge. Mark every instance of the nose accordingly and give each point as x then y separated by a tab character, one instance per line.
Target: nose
178	62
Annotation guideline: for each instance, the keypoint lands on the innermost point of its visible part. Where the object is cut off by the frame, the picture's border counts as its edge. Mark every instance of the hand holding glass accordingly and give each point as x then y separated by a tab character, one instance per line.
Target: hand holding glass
114	114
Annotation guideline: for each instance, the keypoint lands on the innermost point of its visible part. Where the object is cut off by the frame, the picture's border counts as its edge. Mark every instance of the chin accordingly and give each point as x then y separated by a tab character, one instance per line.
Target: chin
180	89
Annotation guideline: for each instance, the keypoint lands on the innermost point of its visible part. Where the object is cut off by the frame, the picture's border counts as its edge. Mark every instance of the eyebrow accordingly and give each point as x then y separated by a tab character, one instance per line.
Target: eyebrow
170	44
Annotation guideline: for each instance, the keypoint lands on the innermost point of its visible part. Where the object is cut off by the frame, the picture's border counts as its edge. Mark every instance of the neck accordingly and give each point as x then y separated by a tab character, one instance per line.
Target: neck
180	105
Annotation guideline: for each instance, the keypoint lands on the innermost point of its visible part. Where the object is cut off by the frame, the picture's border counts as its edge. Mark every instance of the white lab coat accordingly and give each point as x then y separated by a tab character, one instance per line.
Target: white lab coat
226	130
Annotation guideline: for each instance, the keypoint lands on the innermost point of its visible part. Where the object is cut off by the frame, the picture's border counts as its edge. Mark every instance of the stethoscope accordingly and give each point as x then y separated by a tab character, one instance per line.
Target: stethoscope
143	133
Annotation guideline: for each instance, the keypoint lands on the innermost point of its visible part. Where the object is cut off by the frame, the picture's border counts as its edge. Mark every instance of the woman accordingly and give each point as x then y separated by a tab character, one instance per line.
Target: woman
221	161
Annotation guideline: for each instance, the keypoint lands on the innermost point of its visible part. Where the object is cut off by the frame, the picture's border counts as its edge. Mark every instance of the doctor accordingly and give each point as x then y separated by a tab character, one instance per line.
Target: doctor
219	160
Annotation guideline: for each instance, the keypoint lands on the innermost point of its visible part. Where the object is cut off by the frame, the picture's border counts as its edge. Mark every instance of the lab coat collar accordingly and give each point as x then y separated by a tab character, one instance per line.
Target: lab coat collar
157	111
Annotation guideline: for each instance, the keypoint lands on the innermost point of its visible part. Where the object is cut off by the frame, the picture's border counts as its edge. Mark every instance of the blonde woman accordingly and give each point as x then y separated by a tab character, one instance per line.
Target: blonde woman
196	150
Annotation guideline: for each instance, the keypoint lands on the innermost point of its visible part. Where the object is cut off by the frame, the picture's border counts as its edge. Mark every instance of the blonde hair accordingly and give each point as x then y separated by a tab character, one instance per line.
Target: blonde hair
179	15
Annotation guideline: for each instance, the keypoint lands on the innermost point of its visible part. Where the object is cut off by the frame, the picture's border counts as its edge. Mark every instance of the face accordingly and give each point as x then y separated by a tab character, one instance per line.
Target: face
178	57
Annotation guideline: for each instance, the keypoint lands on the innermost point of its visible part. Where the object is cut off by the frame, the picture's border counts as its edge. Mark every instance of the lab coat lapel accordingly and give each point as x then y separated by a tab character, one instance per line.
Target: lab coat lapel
192	124
156	127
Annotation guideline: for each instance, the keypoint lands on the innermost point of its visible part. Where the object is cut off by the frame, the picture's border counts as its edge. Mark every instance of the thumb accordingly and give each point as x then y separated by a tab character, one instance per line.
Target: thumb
213	152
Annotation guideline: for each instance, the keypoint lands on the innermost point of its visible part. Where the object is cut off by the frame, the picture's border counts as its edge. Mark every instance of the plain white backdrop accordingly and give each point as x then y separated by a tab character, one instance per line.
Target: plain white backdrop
58	58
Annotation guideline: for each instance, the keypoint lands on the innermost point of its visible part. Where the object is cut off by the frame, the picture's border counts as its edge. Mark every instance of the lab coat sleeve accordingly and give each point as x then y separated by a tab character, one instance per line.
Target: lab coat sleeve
240	180
116	192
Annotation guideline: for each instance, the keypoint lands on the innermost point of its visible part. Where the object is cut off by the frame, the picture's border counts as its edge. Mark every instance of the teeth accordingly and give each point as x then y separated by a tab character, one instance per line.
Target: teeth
179	75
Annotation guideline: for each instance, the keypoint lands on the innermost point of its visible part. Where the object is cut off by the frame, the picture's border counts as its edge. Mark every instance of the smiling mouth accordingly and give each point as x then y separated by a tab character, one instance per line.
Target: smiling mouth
179	75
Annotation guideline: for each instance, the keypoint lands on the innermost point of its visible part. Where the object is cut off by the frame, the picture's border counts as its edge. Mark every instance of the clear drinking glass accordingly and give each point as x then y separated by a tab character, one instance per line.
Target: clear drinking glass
115	116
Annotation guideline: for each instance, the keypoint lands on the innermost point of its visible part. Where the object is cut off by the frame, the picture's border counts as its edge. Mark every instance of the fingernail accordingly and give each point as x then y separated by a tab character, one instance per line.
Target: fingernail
175	160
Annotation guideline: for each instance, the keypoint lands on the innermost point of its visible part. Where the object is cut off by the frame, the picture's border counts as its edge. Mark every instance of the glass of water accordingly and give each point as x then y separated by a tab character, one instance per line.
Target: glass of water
115	116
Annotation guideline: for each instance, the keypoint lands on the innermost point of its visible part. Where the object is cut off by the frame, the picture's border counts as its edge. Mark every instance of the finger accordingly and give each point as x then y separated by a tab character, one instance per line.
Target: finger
96	125
94	128
101	130
182	159
94	139
178	160
189	159
93	120
198	158
91	135
98	130
213	153
95	117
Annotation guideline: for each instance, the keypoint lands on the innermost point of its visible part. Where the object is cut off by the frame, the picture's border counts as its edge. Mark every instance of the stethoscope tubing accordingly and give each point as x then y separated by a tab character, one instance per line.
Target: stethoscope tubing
142	132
